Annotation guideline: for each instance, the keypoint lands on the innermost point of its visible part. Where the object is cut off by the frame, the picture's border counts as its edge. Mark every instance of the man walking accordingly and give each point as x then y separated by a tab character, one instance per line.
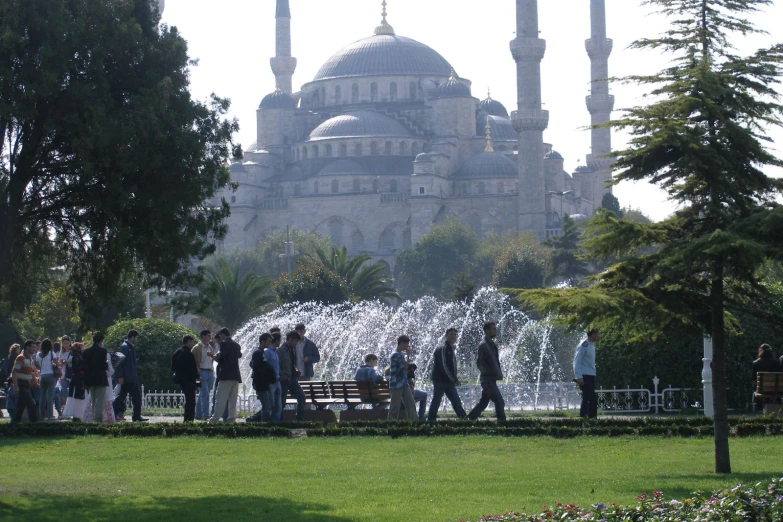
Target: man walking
289	374
306	353
202	353
183	366
21	377
263	378
444	377
229	377
96	366
127	378
584	371
398	380
275	391
488	363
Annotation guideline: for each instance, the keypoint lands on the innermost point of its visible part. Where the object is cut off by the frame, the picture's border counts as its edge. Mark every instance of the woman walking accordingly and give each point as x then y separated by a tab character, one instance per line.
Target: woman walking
46	362
76	403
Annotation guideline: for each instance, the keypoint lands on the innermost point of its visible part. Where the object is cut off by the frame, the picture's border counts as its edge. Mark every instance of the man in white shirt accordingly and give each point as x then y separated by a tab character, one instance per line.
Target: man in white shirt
584	373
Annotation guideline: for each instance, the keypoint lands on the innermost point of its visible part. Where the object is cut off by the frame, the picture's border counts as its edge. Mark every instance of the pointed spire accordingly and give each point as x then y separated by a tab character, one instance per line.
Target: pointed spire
384	28
489	138
489	96
453	75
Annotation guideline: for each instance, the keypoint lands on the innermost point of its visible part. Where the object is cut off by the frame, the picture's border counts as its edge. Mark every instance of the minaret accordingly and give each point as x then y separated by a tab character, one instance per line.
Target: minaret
600	103
529	120
283	65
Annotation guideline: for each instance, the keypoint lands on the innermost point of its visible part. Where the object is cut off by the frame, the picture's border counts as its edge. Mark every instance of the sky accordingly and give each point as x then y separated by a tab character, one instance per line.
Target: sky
234	39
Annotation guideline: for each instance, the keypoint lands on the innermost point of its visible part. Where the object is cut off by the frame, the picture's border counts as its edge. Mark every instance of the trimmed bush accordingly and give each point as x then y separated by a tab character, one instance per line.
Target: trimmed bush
158	340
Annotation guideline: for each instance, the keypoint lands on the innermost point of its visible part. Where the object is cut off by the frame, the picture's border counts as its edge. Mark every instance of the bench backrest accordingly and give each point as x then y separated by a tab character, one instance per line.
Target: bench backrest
363	391
315	391
769	384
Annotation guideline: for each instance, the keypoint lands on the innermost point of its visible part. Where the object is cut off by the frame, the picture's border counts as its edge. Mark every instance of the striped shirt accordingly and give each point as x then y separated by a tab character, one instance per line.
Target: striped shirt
23	368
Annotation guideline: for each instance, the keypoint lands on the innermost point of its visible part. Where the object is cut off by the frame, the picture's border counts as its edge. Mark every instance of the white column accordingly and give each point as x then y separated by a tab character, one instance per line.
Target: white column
706	377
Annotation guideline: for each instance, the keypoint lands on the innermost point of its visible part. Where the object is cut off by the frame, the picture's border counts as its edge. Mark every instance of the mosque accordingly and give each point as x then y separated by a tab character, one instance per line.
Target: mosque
388	141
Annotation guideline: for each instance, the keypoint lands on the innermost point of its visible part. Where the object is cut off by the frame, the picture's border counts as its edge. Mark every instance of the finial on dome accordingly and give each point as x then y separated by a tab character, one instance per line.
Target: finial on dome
453	76
384	28
489	96
489	139
278	89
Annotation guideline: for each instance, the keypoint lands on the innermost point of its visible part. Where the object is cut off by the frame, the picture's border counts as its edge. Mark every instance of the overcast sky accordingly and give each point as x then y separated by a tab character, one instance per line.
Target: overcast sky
234	39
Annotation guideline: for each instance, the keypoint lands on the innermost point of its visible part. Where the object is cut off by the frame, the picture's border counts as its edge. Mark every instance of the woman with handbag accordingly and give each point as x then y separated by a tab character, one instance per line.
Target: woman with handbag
48	379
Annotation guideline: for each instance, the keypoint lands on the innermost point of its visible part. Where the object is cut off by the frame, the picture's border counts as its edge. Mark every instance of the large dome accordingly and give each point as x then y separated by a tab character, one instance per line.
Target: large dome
488	165
385	55
359	124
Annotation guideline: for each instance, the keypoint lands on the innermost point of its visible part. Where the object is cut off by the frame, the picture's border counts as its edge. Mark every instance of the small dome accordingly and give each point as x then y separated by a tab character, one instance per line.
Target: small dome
583	169
424	158
502	129
359	124
452	88
488	165
493	107
553	154
343	168
277	100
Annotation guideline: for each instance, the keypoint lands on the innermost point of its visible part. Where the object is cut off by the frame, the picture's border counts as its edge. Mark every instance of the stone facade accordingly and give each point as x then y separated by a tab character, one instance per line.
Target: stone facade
387	141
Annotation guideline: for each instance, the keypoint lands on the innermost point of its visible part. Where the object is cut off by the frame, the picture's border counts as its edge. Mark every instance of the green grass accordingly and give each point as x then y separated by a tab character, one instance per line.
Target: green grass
352	479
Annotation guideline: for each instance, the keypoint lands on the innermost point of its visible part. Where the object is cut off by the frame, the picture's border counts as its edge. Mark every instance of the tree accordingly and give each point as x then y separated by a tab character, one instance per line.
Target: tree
53	313
566	263
366	282
235	299
271	247
635	215
610	202
103	152
702	140
523	263
312	283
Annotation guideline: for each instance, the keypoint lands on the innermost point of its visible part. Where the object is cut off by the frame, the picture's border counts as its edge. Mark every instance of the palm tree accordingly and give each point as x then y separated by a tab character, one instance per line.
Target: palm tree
367	281
234	300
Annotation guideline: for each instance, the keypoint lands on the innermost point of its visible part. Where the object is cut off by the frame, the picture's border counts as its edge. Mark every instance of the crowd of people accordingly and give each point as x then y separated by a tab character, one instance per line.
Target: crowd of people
93	384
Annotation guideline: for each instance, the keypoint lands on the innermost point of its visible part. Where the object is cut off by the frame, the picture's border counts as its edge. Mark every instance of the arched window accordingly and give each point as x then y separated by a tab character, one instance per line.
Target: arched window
415	149
412	90
357	241
387	240
373	149
388	148
336	232
328	151
357	149
315	151
297	190
393	91
343	150
304	152
406	239
315	187
373	92
355	93
323	96
316	99
356	185
375	185
335	186
338	95
501	188
393	186
482	188
403	149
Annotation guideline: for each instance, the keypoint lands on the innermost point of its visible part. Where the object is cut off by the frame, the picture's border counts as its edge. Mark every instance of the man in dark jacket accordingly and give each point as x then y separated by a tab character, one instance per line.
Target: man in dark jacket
127	378
229	377
96	379
488	363
264	377
444	377
186	374
289	374
307	354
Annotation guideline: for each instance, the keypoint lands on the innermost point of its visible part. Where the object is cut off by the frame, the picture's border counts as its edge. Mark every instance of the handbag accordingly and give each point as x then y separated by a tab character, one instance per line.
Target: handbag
56	370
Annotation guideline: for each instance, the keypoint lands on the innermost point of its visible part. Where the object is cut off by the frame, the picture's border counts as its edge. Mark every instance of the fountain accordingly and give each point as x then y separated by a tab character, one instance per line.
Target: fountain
536	358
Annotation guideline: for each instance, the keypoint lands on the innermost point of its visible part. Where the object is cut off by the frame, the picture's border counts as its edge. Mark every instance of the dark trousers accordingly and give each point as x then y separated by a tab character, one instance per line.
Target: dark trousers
297	393
489	392
120	405
450	390
24	400
589	406
190	402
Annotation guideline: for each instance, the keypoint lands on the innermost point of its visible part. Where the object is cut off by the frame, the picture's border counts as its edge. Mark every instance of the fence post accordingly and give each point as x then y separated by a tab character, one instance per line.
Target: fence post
656	380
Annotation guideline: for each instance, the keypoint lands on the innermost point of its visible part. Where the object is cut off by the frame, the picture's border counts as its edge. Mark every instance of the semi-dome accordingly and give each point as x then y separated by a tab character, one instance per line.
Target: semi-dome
452	88
553	155
277	100
583	169
502	129
343	167
385	55
493	107
359	124
488	165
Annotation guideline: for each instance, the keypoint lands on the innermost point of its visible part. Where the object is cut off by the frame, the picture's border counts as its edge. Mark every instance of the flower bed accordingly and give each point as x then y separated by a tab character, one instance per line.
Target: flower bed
761	502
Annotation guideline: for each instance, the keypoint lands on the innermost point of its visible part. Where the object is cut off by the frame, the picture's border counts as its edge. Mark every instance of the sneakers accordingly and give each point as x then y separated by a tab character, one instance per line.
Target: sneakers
141	419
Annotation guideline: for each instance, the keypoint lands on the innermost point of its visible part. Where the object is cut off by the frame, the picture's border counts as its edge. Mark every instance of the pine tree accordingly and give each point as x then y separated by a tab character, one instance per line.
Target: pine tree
703	140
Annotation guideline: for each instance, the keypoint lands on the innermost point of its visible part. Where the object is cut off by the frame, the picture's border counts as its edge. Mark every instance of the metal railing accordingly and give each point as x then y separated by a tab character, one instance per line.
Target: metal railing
165	403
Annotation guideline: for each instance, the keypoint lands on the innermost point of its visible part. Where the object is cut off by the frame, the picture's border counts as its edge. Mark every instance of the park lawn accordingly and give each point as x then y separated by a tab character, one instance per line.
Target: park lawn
193	479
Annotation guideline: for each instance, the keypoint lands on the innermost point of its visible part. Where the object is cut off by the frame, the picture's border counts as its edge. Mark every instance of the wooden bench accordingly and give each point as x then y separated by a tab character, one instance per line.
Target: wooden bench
769	387
316	394
357	393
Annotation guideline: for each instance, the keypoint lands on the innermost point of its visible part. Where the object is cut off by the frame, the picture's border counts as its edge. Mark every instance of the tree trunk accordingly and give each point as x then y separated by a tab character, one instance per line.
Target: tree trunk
722	459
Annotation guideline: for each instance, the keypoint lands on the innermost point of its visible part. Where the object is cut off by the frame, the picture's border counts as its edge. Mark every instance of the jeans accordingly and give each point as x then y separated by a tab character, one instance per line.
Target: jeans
450	390
98	402
227	392
404	396
276	392
296	392
48	382
24	400
421	397
120	405
489	392
189	391
589	406
265	413
202	405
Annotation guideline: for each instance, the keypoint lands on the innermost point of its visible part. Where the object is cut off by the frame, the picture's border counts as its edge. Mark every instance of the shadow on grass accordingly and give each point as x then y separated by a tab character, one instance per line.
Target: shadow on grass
720	481
118	508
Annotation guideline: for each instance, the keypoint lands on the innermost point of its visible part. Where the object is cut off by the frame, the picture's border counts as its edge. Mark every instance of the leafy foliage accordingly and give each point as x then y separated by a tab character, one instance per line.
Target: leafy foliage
312	282
105	156
158	340
235	299
611	203
566	263
523	262
367	282
54	313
